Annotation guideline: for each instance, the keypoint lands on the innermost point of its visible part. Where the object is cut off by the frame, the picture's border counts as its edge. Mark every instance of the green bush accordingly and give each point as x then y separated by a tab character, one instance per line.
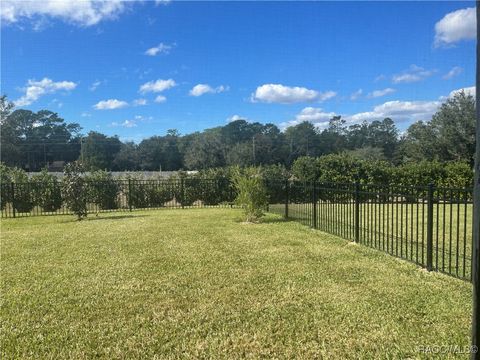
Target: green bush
46	191
158	192
214	186
23	199
251	193
5	185
74	189
103	190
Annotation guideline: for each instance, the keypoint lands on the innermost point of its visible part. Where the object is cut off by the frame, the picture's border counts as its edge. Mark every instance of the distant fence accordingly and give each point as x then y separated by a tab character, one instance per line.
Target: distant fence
41	198
427	225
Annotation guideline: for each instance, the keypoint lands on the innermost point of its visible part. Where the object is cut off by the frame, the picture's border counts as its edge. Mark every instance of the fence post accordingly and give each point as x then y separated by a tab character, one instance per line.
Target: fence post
357	212
182	192
12	187
430	227
286	198
129	194
315	196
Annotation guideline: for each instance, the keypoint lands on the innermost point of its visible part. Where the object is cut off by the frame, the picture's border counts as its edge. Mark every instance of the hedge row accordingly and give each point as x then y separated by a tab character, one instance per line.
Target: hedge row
343	168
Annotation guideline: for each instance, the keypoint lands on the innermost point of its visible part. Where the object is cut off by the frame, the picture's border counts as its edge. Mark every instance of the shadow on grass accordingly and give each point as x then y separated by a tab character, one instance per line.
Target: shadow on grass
265	220
116	217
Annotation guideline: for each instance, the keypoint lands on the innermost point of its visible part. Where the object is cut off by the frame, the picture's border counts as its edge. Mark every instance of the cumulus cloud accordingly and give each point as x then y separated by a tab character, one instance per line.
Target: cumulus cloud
160	49
316	116
81	13
456	26
201	89
160	99
35	89
455	71
468	91
110	104
380	93
140	102
157	86
277	93
398	111
413	74
357	94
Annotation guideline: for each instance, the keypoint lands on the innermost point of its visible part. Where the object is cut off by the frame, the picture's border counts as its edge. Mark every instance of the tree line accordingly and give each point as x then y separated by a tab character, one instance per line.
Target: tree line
31	140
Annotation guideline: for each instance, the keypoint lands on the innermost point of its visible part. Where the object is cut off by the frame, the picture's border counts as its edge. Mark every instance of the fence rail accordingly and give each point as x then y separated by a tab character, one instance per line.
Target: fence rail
427	225
42	198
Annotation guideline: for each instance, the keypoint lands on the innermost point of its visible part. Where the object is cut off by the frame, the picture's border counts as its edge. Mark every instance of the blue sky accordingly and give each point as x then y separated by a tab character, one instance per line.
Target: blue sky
139	68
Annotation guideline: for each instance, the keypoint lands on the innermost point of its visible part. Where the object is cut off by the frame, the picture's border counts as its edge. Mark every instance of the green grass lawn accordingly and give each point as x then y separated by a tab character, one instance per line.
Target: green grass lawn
400	229
201	284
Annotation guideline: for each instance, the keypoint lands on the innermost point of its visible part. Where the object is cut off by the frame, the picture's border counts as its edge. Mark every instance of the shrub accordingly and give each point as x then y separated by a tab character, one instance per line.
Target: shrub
5	185
74	189
214	186
103	190
251	193
158	192
23	195
46	191
136	192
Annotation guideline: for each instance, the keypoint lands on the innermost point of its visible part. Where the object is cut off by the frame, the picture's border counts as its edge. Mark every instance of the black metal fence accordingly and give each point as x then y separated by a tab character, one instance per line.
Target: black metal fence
40	198
429	226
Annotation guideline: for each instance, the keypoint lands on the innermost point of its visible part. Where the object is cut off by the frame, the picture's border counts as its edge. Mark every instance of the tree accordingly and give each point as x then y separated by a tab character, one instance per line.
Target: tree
99	151
205	151
302	140
450	135
32	140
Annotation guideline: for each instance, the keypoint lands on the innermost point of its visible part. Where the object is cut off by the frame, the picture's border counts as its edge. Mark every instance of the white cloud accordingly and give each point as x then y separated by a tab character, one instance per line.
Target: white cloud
398	111
82	13
157	86
380	78
356	95
277	93
140	102
201	89
160	99
160	49
236	117
380	93
316	116
456	26
413	74
455	71
95	85
110	104
35	89
85	114
126	124
468	91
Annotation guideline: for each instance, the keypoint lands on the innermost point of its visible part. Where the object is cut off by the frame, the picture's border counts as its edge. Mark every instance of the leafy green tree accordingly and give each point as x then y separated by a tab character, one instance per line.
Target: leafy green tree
74	189
302	140
32	140
99	151
128	158
46	191
205	151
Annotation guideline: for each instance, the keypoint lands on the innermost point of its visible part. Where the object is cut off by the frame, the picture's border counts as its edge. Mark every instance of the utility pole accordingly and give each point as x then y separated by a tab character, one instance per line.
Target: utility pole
475	355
